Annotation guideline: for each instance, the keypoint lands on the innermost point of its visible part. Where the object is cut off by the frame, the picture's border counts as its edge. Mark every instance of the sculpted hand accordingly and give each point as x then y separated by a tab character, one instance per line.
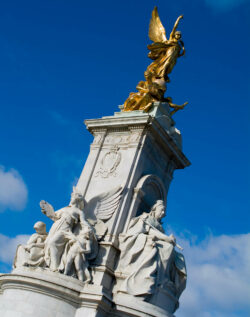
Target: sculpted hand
172	239
47	210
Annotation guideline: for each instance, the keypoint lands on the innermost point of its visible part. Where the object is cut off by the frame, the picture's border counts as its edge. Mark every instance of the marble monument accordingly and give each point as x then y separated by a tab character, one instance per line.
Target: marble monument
106	253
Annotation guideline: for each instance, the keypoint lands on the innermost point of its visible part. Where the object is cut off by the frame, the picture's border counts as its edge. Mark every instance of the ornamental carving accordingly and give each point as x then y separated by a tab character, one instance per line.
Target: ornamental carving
109	163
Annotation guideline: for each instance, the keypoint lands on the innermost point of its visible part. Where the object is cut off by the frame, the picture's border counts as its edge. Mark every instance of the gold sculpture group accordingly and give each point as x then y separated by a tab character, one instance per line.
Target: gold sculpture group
164	54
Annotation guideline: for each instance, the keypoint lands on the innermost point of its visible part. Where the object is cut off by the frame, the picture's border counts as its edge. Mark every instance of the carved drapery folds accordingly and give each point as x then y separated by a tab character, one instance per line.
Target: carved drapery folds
32	254
73	238
148	261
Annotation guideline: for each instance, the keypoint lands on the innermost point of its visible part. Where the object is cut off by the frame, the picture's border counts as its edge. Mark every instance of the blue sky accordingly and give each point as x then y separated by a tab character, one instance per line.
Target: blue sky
65	61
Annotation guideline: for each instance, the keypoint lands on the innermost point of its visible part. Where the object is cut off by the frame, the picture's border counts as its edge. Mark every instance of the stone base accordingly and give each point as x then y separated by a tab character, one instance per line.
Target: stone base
130	306
40	293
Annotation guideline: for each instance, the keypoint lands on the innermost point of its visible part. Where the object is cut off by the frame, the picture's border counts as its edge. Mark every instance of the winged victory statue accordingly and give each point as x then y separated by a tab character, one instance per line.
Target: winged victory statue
164	53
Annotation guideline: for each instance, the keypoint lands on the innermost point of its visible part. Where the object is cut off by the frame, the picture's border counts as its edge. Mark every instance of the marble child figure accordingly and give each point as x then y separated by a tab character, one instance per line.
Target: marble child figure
32	254
77	256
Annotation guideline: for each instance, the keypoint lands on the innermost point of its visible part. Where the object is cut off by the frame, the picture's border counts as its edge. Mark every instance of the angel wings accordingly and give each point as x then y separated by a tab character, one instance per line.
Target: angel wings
164	53
157	31
101	207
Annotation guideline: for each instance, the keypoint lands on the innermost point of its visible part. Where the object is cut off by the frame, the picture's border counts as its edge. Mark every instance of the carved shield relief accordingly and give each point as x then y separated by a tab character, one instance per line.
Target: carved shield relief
109	163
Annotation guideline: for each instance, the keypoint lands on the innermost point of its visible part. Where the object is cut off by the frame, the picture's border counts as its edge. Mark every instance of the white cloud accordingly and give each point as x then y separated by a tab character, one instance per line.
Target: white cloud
8	246
224	5
218	277
13	191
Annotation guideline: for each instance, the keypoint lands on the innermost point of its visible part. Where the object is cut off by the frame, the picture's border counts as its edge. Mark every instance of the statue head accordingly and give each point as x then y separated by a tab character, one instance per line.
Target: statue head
40	227
177	35
158	210
77	199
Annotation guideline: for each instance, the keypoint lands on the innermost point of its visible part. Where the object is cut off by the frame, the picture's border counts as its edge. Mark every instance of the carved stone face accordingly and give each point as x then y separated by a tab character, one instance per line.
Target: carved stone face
160	211
40	227
76	199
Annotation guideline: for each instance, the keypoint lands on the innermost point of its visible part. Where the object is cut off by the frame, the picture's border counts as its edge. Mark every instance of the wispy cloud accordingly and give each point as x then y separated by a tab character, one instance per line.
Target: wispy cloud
13	191
8	248
218	277
225	5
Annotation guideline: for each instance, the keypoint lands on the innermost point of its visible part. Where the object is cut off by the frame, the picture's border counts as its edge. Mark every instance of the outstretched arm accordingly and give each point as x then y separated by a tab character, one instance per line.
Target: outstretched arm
176	107
171	37
82	219
183	49
163	237
48	210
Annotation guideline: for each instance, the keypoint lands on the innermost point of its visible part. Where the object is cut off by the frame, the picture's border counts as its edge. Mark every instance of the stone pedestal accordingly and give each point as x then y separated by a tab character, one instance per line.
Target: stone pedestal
136	150
133	155
29	293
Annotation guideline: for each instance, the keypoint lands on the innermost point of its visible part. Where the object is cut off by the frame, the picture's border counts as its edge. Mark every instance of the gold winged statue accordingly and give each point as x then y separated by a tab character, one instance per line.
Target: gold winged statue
164	54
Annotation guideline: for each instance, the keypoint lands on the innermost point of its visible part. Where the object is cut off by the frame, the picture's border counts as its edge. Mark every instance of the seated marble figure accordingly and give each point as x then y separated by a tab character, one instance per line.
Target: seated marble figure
148	257
32	254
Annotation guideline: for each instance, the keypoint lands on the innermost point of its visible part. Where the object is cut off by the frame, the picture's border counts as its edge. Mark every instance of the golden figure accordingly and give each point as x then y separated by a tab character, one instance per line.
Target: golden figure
164	54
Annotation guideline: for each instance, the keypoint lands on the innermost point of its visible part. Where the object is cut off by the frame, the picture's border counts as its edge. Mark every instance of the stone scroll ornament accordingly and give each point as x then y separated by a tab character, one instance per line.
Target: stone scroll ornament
148	257
164	53
73	238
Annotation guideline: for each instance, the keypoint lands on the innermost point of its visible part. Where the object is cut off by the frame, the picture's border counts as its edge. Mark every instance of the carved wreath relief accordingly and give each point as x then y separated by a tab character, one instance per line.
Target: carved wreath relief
109	163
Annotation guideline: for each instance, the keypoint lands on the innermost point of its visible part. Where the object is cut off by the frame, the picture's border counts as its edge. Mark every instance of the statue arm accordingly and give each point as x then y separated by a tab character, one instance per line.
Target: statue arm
88	248
171	37
82	219
163	237
176	107
48	211
32	242
32	239
37	245
183	49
